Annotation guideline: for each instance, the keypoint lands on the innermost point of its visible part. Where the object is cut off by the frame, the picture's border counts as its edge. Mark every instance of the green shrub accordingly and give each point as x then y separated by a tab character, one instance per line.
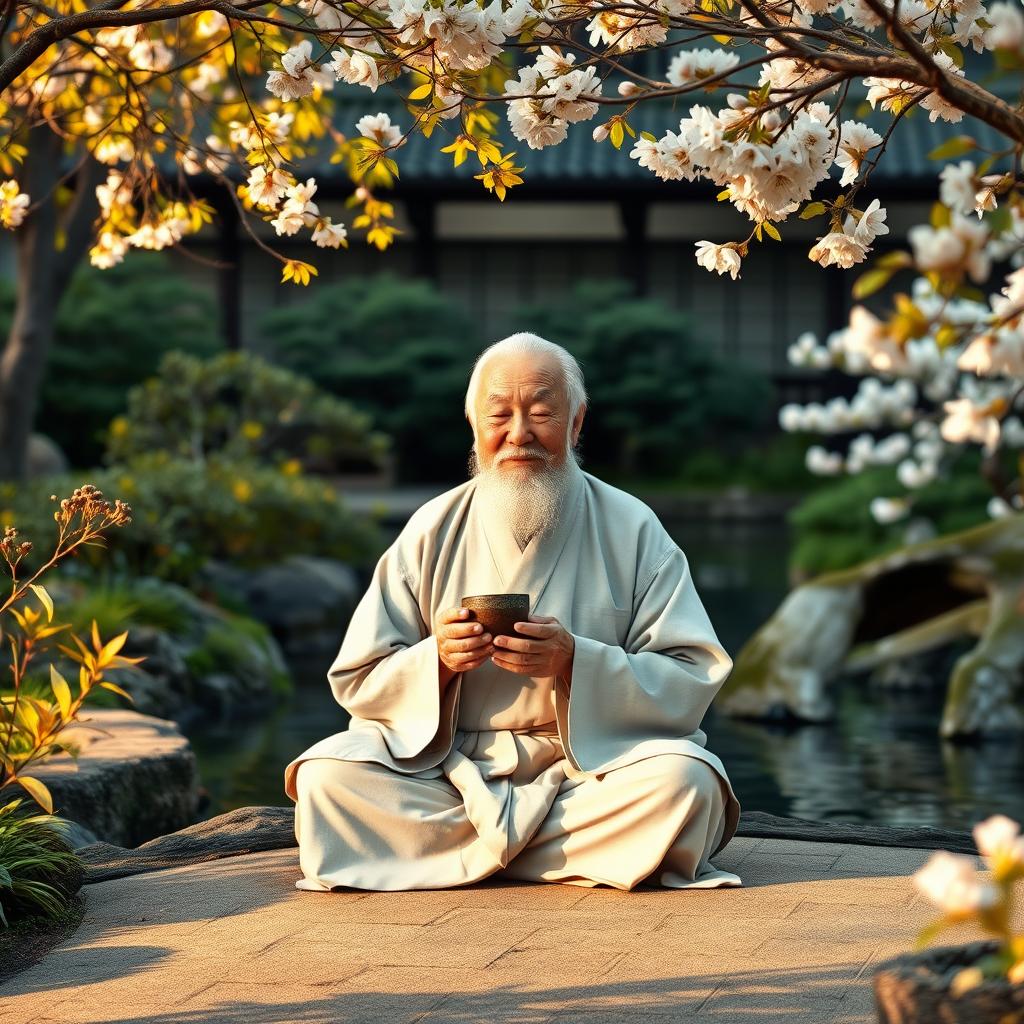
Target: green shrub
185	512
104	343
398	350
238	406
118	605
658	396
833	528
231	645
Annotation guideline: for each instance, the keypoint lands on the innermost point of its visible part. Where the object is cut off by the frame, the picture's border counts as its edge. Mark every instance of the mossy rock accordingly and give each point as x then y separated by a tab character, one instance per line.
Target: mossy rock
922	597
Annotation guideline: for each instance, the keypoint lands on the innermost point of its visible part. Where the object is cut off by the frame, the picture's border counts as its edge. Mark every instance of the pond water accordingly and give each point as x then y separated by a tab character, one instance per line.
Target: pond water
880	761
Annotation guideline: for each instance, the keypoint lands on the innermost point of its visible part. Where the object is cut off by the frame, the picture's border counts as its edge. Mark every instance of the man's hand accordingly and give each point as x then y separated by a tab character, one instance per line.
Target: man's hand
461	643
544	649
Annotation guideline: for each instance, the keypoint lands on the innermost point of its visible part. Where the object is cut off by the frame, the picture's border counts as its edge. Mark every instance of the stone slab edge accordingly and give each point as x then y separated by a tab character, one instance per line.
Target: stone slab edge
256	829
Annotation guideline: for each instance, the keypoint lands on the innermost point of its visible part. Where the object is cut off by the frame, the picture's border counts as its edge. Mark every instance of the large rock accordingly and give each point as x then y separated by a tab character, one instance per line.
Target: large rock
45	457
965	588
201	661
306	601
135	777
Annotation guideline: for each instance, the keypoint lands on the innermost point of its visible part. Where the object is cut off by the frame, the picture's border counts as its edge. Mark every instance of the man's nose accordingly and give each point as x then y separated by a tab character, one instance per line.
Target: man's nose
519	432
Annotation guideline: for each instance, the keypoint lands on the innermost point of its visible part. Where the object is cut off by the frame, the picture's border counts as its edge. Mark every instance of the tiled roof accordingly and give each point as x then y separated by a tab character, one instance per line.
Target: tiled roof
579	161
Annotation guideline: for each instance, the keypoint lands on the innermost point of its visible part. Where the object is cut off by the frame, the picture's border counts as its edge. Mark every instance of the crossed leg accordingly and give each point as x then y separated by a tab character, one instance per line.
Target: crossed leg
614	829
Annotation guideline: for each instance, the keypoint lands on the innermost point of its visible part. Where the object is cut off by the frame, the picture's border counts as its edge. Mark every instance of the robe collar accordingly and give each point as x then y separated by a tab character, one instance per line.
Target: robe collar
530	570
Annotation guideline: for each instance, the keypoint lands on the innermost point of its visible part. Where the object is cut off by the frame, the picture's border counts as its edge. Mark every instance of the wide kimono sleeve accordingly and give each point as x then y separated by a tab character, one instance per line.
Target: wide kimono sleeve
387	674
656	687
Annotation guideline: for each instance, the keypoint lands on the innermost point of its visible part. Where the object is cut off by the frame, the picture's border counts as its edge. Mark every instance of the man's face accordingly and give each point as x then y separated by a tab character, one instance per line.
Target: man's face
522	415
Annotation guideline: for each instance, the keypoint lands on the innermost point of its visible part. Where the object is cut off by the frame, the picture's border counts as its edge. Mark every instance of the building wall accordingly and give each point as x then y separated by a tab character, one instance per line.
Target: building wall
495	258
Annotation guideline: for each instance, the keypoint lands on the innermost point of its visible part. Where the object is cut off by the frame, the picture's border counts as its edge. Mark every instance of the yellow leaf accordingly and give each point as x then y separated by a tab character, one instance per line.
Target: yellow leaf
940	216
421	91
956	146
617	134
61	691
37	791
96	642
112	648
44	599
870	281
28	716
116	689
773	231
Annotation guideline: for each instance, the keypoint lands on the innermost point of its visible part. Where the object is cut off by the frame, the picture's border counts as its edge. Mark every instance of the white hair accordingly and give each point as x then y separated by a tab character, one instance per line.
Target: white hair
525	342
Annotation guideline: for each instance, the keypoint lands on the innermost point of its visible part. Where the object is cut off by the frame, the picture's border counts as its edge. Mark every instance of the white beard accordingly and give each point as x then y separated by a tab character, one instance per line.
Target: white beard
529	499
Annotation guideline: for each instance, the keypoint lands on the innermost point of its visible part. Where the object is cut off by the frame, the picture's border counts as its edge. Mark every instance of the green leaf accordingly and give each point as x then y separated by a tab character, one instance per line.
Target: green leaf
649	136
44	599
986	164
868	283
951	50
999	220
37	791
61	691
956	146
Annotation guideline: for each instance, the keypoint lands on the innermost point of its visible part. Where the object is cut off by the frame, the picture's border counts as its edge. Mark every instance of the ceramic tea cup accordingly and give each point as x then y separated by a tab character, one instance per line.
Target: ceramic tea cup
498	613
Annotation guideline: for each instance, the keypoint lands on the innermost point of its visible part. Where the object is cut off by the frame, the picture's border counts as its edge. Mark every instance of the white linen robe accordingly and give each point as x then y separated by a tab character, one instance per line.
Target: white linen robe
420	793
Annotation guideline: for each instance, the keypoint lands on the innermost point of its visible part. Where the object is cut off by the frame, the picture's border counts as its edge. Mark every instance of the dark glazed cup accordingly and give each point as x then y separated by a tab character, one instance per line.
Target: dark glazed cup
498	613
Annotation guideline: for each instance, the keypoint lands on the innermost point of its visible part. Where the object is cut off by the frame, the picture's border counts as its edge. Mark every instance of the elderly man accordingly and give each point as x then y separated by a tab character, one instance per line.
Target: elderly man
571	752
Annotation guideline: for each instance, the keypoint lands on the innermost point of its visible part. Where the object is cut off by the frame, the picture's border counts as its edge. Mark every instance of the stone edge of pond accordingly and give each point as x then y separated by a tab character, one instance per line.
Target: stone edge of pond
256	829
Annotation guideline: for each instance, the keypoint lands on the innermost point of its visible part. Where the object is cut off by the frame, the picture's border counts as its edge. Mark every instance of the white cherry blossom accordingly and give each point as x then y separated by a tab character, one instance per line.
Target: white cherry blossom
721	258
951	882
379	128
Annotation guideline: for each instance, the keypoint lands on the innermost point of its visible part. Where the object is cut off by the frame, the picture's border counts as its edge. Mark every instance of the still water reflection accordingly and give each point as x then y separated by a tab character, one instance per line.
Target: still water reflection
880	761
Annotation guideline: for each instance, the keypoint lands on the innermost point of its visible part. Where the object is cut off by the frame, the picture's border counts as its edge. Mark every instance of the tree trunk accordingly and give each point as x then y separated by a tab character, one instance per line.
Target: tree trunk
43	275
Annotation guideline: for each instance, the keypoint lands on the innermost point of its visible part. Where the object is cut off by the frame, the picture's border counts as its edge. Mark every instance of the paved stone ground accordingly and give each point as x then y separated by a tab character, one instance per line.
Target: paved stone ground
233	941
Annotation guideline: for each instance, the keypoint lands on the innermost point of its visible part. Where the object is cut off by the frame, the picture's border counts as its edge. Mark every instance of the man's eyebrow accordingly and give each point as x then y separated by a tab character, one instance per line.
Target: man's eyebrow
542	394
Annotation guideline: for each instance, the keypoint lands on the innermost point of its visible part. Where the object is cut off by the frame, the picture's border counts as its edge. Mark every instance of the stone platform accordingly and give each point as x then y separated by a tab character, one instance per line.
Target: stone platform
232	941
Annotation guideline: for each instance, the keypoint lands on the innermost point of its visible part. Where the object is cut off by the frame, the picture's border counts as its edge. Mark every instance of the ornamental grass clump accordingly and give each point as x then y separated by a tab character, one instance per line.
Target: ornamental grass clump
951	882
39	873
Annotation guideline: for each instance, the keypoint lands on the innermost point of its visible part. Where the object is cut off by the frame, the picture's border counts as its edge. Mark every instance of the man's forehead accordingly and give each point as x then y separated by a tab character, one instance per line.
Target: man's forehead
496	392
538	377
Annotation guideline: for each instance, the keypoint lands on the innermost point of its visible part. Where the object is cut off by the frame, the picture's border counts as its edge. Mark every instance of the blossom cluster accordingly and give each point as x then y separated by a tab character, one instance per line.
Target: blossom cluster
555	94
974	381
275	190
951	881
13	204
